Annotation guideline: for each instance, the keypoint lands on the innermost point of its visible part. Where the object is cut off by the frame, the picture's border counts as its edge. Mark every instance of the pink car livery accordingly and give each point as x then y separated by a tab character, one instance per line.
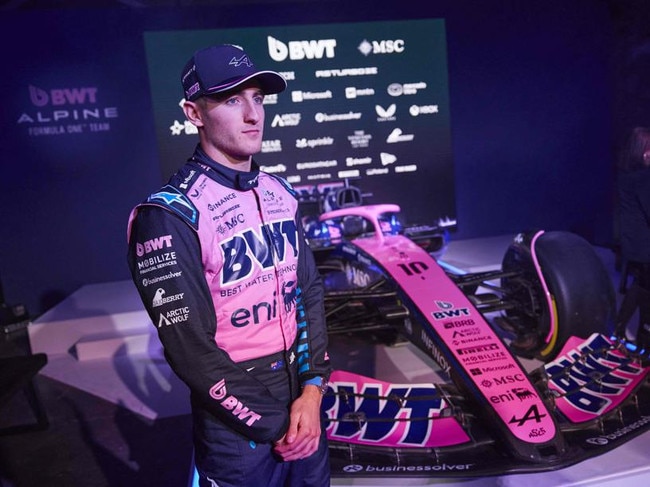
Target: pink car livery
491	415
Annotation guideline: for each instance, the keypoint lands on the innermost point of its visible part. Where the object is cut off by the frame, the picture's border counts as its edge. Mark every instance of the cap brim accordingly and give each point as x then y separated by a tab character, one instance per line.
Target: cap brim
270	82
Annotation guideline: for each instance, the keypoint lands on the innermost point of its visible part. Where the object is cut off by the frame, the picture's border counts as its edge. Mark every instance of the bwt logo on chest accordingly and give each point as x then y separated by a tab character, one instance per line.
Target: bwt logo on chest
275	242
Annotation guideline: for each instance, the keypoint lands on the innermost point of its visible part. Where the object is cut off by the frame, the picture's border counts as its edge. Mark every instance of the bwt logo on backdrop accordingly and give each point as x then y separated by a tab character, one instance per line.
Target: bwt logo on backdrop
65	96
66	111
299	50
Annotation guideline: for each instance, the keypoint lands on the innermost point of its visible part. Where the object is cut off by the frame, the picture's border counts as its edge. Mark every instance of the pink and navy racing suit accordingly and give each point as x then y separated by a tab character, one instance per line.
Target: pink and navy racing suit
220	262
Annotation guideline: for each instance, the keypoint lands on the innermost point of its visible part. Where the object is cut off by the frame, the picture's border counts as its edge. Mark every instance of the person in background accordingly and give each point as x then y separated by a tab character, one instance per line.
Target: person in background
221	264
633	192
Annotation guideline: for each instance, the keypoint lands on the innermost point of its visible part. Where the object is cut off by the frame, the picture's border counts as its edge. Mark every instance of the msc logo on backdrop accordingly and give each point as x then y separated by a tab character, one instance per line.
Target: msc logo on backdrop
299	50
381	47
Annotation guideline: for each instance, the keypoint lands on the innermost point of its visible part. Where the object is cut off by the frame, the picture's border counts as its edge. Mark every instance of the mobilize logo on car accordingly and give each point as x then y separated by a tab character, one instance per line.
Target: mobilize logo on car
299	50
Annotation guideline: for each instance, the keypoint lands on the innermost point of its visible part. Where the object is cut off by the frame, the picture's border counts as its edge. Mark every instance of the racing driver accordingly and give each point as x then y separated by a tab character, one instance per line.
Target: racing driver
220	262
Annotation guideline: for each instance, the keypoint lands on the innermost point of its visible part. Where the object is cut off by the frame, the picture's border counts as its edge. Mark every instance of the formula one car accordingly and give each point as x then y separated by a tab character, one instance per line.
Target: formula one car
552	300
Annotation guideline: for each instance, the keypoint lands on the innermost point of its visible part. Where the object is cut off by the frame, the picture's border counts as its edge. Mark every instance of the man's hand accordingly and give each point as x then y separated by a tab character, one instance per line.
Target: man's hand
302	438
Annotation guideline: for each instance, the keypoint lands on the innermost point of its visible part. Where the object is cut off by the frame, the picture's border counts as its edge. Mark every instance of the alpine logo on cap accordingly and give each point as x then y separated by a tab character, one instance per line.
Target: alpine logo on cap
242	60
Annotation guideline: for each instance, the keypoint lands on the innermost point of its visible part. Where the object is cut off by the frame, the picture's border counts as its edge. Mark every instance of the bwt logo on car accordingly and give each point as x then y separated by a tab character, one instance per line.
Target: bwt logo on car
573	373
232	404
299	50
371	402
452	313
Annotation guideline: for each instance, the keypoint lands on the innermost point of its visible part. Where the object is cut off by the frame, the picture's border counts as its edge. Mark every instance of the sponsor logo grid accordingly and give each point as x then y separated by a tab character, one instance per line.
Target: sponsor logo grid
158	268
493	370
475	346
347	112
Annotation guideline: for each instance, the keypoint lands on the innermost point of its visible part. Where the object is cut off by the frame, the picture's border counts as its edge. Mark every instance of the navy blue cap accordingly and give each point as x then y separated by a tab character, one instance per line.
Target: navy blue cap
221	68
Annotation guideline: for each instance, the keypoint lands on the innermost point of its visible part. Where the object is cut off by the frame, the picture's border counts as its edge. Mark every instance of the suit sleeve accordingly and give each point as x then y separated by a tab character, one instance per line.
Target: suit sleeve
164	257
313	359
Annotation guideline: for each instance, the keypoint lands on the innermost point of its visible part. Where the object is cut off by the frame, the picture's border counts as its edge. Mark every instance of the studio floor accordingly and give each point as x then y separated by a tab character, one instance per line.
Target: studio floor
117	417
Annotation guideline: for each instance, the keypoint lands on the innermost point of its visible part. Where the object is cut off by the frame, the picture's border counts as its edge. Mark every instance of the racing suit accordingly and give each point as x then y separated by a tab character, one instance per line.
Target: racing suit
220	262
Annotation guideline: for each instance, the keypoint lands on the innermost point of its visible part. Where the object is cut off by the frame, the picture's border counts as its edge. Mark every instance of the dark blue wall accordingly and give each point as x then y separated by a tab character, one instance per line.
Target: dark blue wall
530	86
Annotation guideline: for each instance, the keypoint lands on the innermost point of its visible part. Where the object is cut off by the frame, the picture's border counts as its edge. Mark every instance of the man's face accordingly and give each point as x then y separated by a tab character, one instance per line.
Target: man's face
233	124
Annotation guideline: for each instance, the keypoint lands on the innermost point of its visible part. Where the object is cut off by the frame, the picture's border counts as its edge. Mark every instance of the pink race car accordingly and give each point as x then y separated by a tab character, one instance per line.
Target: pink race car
552	300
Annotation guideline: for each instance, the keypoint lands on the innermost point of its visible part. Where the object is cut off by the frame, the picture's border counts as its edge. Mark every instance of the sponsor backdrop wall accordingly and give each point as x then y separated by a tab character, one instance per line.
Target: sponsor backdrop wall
368	102
497	117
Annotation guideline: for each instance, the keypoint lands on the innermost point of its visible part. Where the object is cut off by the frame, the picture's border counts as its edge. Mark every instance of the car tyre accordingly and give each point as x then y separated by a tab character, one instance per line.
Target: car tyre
582	297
